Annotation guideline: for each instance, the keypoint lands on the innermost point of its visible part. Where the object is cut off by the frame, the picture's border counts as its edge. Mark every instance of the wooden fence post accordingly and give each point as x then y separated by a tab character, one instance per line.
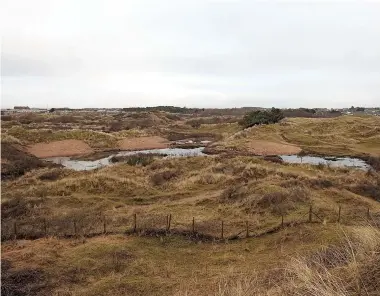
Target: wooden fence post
104	225
222	234
193	225
246	229
310	214
169	219
45	227
282	220
339	211
15	229
135	223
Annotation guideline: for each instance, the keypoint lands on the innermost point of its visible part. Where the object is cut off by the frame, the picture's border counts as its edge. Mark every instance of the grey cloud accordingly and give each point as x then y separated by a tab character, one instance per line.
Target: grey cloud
221	53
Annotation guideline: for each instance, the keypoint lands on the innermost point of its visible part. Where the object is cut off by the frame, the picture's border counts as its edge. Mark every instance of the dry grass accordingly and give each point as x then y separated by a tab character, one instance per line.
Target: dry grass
92	138
344	135
172	266
344	270
347	267
207	188
309	259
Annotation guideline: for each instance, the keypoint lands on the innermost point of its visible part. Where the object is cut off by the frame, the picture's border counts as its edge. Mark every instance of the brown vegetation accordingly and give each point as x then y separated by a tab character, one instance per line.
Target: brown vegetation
63	209
16	162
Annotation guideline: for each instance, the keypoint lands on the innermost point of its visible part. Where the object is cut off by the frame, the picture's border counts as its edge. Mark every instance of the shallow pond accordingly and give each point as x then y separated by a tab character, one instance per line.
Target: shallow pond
331	161
85	165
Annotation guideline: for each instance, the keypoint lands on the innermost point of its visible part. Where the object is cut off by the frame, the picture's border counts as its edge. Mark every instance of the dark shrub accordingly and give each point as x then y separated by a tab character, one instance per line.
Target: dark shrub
281	202
320	183
368	190
234	193
28	118
273	158
20	282
272	198
374	162
162	177
50	175
6	117
195	124
172	116
18	207
261	117
19	162
116	126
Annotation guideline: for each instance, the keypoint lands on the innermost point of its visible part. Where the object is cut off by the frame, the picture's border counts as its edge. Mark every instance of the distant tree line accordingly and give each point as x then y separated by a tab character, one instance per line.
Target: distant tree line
169	109
357	109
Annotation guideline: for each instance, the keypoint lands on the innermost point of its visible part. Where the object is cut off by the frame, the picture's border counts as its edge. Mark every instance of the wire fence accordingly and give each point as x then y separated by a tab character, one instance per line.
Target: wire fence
156	225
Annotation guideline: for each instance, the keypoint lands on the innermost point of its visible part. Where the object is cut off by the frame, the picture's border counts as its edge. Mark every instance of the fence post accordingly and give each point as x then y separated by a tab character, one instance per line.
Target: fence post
104	225
45	227
169	218
222	234
246	229
193	225
134	222
15	229
310	214
339	211
282	220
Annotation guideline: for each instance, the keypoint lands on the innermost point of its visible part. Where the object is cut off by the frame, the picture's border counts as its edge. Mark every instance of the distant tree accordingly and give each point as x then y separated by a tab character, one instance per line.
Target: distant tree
359	109
52	110
334	111
195	124
313	111
261	117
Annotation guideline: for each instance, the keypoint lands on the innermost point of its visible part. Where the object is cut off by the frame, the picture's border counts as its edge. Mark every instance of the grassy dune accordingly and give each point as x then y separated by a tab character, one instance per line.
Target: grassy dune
324	258
207	188
344	135
93	138
311	260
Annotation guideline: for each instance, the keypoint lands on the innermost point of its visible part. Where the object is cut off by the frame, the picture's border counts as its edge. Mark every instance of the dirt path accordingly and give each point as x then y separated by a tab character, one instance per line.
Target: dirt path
60	148
153	142
262	147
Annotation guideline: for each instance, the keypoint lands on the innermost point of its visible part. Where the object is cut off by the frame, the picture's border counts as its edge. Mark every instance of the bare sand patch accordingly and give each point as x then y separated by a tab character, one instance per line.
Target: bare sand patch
139	143
60	148
261	147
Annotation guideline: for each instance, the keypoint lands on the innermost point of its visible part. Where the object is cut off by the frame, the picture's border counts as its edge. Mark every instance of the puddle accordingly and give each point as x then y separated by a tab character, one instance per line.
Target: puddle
328	160
85	165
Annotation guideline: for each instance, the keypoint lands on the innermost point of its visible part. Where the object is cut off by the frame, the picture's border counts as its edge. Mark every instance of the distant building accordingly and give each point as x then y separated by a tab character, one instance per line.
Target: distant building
21	107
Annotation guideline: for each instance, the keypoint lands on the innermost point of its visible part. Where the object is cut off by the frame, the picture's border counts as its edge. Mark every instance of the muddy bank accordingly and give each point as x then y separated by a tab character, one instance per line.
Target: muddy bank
60	148
141	143
261	147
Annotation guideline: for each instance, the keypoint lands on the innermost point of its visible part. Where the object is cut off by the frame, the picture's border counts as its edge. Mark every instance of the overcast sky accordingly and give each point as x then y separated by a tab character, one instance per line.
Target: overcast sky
189	53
